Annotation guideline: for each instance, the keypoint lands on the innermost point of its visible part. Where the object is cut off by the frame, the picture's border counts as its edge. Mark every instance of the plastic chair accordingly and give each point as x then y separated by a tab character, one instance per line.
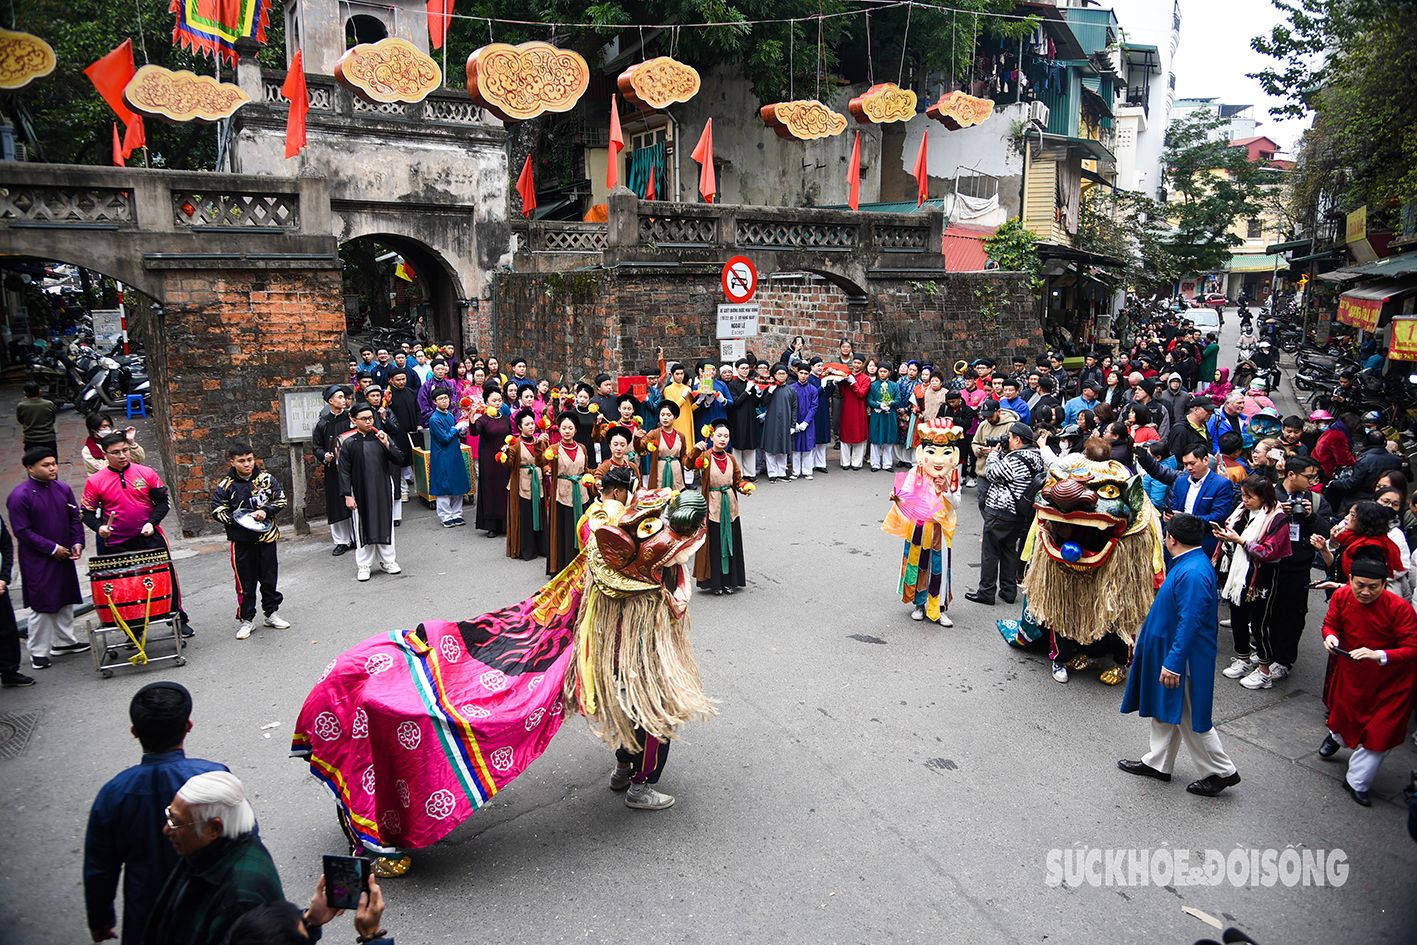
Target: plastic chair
136	406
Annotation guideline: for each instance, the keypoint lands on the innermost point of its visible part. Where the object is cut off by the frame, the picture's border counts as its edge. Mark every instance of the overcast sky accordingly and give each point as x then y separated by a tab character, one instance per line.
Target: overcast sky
1215	54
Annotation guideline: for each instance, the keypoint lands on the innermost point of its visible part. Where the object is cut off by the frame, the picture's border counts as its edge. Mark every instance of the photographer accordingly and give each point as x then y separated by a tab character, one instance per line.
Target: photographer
282	923
1010	470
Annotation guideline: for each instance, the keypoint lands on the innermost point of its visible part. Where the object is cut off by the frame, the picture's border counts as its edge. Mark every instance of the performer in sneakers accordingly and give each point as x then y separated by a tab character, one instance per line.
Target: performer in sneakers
1371	636
245	501
45	519
368	460
925	563
1173	669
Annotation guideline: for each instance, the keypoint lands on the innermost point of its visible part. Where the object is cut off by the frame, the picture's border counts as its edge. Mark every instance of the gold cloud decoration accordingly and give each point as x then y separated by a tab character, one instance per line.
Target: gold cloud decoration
803	120
516	83
155	92
391	70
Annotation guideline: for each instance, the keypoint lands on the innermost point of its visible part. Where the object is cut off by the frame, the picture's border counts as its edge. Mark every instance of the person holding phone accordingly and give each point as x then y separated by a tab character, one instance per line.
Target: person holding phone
1372	684
284	921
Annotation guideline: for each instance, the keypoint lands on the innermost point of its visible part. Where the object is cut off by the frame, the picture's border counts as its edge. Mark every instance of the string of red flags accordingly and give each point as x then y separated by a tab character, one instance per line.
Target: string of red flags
526	186
440	13
110	75
294	89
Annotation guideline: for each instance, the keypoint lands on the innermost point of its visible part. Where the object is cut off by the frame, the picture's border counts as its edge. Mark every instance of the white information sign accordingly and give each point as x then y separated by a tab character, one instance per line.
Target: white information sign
107	327
738	321
299	412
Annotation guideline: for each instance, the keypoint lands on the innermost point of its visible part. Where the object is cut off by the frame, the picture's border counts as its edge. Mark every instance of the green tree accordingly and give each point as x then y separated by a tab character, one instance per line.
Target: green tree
1131	227
1013	248
1212	185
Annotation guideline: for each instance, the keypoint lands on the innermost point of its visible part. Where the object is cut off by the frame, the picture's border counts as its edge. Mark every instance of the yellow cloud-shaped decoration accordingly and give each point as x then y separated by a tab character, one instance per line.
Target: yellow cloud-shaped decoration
391	70
883	103
960	110
23	58
520	82
184	96
803	120
658	83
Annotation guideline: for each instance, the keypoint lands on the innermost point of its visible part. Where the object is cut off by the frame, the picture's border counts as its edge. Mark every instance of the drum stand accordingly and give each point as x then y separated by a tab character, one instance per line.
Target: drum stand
112	649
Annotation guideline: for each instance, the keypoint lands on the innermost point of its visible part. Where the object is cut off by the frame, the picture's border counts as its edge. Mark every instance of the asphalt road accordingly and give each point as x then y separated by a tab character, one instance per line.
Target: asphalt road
868	779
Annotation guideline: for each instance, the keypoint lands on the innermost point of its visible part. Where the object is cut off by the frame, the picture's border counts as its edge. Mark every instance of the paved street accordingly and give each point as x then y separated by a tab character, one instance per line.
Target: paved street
869	779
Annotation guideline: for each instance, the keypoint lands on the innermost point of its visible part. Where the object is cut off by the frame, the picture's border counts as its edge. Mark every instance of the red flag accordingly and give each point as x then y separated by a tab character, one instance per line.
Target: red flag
526	186
294	89
110	74
134	136
703	153
853	176
117	148
617	144
650	193
439	15
922	178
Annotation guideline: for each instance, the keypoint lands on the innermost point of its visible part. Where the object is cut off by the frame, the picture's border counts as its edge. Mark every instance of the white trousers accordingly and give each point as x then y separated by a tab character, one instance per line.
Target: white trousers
802	463
365	555
1205	748
819	456
853	455
342	533
1362	766
777	465
408	474
748	461
882	455
398	503
449	507
49	630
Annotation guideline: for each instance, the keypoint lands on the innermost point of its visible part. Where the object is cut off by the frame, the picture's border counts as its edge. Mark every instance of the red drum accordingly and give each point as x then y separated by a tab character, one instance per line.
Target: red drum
134	587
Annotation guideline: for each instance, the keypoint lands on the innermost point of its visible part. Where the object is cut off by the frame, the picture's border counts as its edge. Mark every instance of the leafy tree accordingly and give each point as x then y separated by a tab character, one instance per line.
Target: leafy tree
1214	185
1013	248
1350	62
1131	227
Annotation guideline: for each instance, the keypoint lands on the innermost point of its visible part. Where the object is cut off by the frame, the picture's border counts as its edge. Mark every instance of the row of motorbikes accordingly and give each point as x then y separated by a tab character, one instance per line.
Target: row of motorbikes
73	371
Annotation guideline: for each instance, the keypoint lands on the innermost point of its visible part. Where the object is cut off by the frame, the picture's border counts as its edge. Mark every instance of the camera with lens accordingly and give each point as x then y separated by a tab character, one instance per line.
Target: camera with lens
1000	443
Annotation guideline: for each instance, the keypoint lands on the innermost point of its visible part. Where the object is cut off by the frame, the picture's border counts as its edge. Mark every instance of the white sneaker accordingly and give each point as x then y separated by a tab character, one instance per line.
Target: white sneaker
1060	673
391	568
274	620
808	477
1259	679
619	778
1225	622
1277	671
945	621
243	631
1239	667
918	613
363	574
644	797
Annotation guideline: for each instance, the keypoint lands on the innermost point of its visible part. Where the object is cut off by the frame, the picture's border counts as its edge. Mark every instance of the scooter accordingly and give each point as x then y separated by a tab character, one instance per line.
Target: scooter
105	391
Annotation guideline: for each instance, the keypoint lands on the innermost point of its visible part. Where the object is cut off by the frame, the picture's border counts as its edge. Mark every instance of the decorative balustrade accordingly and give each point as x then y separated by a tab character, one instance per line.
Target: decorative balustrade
75	206
445	107
322	98
677	231
263	211
902	239
774	234
544	236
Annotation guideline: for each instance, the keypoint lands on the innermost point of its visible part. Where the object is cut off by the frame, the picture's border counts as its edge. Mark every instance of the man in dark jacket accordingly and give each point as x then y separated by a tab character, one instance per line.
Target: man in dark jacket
403	401
225	869
1010	476
1357	481
248	490
125	832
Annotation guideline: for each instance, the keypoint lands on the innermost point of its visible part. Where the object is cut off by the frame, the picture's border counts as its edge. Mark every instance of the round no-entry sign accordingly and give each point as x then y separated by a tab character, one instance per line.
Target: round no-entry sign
740	279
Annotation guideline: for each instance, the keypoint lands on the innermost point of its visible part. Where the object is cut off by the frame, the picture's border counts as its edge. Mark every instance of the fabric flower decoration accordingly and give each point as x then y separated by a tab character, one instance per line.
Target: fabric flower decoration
491	411
465	402
595	408
502	457
544	423
706	430
549	455
749	487
703	462
555	394
652	446
510	440
587	480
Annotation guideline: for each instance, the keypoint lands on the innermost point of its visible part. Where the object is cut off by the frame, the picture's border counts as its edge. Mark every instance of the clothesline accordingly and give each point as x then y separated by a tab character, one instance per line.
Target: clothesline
873	7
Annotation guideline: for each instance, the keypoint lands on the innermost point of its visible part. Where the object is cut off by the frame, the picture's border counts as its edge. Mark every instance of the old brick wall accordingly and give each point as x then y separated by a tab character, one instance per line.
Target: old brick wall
226	344
580	323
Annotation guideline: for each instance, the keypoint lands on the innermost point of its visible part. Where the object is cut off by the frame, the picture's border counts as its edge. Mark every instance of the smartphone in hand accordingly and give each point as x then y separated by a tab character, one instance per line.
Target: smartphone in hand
346	879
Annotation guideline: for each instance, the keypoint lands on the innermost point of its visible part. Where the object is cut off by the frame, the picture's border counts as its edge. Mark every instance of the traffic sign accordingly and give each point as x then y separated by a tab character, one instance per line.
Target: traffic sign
740	279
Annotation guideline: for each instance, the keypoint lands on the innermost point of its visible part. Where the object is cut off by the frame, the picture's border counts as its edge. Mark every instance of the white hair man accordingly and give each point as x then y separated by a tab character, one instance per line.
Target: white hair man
225	870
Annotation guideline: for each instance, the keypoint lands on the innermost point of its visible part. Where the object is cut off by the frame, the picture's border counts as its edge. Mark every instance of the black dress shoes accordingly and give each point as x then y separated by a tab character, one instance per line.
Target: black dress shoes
1213	785
1142	770
339	550
1360	796
974	596
1008	600
728	590
1329	748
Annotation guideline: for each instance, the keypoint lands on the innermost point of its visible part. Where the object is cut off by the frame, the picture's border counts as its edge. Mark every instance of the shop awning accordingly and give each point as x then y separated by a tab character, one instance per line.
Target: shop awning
1403	265
1255	263
1361	307
1288	247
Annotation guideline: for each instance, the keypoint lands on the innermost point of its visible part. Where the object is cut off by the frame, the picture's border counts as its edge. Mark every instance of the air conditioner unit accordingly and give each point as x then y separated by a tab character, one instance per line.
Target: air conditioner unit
1038	114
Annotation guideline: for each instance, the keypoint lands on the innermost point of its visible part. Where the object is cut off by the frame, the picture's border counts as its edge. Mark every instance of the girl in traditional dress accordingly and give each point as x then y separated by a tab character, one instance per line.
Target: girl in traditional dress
719	563
491	430
526	400
617	441
526	519
565	465
883	400
667	450
627	406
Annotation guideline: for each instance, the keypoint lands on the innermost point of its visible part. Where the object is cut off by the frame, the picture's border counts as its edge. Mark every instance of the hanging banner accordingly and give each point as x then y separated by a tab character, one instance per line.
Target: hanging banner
883	103
1359	312
803	120
181	96
659	83
391	70
1402	339
212	27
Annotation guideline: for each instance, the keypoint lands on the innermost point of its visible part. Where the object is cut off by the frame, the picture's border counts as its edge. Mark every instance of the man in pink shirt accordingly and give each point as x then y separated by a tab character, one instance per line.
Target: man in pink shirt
123	503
